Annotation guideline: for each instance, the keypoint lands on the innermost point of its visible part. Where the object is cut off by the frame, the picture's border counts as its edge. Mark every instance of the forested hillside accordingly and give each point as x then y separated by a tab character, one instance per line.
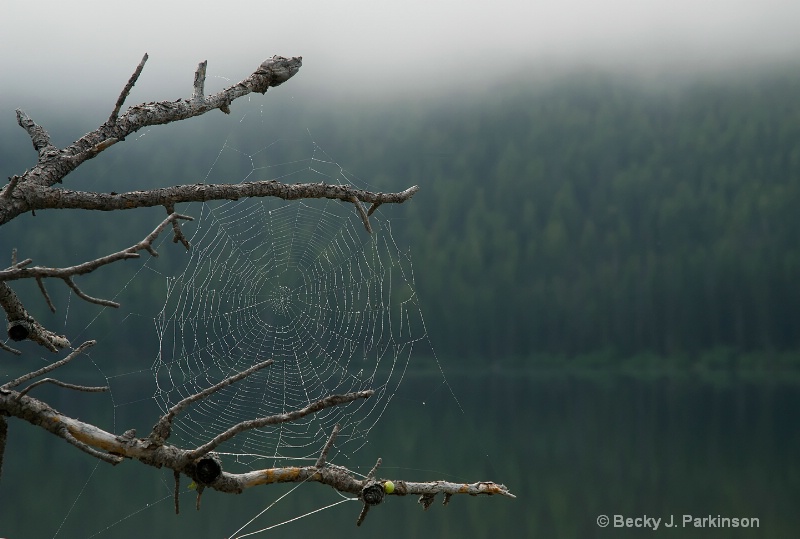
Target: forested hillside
587	216
595	215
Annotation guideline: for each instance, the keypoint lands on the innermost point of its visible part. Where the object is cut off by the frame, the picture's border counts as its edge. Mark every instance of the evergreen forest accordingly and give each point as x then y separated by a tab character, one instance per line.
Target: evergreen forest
590	218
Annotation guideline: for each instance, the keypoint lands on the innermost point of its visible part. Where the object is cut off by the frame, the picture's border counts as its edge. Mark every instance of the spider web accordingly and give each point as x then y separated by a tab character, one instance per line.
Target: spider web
306	286
303	284
299	282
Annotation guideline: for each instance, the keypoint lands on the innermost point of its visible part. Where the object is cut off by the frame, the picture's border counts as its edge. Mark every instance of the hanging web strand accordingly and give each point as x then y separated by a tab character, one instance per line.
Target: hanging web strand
300	283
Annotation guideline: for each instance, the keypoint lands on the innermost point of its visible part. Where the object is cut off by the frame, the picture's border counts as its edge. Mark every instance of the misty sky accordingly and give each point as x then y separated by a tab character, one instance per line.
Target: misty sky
53	50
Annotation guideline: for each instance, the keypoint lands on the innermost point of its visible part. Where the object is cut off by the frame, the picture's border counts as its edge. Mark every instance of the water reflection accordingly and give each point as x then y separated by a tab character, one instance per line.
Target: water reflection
573	447
570	446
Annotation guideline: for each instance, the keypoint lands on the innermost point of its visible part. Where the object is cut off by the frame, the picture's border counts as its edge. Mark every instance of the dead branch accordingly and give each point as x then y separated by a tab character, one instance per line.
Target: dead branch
23	326
127	90
199	81
176	229
323	456
39	136
66	385
55	164
202	192
361	213
111	448
17	272
43	290
163	428
53	366
327	402
204	466
35	188
4	346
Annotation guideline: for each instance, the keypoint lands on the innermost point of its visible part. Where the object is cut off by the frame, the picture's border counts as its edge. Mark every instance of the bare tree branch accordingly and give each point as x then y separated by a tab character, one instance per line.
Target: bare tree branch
105	457
43	290
202	192
23	326
55	164
88	389
327	402
127	90
86	297
53	366
146	244
184	461
323	456
176	494
36	189
4	346
361	213
164	426
39	136
199	81
176	229
12	183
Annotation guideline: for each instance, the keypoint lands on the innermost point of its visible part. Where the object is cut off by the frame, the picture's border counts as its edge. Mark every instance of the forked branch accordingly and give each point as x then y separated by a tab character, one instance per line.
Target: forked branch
22	325
204	466
327	402
163	428
39	187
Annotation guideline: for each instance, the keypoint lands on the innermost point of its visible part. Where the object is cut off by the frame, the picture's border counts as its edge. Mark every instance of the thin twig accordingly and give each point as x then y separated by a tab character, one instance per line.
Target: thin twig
96	149
106	457
12	183
177	476
127	90
199	81
327	402
148	241
200	489
39	136
361	212
176	228
81	294
363	514
16	311
375	206
163	427
88	389
374	469
88	267
43	290
323	456
51	367
7	348
20	265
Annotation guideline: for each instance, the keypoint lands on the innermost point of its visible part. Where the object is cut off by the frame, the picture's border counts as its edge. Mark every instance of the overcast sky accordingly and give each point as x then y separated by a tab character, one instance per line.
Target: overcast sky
55	50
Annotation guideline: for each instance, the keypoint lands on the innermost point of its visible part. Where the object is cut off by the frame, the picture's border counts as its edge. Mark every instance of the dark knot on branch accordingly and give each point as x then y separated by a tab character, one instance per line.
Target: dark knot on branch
372	493
18	330
207	469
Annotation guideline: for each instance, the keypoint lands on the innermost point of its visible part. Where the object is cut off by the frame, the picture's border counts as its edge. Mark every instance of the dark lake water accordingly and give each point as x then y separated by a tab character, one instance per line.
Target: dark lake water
571	446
